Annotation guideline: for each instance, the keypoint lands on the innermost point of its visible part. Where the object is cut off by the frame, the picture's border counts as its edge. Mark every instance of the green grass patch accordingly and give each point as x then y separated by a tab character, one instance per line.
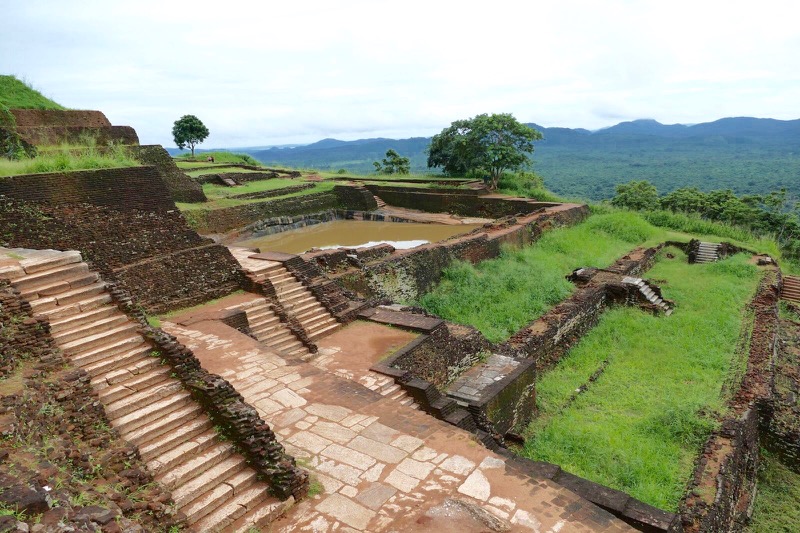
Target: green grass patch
214	191
777	506
69	158
640	425
221	202
221	156
502	295
18	94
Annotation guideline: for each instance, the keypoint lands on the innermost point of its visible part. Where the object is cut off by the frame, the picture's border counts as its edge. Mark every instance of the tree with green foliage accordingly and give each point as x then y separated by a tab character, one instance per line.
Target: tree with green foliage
189	131
637	195
393	163
485	144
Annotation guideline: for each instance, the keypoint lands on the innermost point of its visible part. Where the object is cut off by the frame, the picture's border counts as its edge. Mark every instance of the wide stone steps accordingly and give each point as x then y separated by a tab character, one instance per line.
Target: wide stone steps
211	484
268	329
791	288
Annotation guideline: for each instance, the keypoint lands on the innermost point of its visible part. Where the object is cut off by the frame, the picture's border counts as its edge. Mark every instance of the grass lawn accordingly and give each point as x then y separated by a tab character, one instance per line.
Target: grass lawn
218	194
216	170
68	158
638	427
502	295
777	508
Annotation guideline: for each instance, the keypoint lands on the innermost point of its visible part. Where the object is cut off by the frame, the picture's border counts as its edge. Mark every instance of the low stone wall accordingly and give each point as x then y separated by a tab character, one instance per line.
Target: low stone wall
720	494
182	188
245	217
275	192
237	420
455	201
238	177
125	223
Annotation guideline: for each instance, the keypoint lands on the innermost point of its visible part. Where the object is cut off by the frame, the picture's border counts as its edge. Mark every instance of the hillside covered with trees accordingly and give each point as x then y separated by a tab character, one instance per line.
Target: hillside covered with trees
746	155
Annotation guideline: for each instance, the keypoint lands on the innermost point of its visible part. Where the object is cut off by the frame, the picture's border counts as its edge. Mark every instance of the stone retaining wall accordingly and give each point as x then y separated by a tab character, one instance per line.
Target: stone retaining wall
720	494
125	223
182	188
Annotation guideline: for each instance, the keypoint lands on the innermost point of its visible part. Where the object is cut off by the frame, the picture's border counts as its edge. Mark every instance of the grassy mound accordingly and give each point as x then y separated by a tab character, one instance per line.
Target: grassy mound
16	94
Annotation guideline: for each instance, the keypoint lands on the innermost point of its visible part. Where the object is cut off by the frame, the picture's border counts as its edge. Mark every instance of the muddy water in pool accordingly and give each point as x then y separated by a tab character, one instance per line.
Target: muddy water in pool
352	233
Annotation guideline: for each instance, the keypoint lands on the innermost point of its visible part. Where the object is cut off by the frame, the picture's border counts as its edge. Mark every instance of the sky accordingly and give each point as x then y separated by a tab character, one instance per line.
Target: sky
266	73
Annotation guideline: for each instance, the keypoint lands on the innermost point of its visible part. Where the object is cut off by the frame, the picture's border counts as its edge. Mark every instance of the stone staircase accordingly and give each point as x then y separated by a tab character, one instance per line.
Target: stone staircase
649	294
707	252
296	299
210	483
791	289
381	203
267	328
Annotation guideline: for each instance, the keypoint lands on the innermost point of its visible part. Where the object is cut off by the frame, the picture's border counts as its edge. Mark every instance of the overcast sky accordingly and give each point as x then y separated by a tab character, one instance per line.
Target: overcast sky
259	73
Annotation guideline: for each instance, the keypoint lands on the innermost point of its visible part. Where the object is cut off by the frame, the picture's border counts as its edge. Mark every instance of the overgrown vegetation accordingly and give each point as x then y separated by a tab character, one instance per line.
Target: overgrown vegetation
777	506
219	195
18	94
500	296
219	157
639	426
69	157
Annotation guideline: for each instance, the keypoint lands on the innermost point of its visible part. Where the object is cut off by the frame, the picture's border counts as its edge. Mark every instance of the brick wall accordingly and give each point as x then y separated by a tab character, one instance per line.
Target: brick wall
35	118
182	188
124	222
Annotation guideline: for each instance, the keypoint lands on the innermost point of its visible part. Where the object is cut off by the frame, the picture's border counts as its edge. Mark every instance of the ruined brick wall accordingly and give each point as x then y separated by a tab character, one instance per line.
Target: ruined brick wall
124	222
444	355
182	188
48	127
227	219
36	118
454	201
722	487
21	335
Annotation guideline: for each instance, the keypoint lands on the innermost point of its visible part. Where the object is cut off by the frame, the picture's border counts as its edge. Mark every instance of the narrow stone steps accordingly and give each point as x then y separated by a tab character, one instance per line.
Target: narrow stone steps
80	318
213	500
128	371
89	328
262	516
154	411
99	350
143	398
48	277
136	383
81	306
169	440
194	466
67	297
152	430
100	338
322	332
124	358
234	508
176	456
193	488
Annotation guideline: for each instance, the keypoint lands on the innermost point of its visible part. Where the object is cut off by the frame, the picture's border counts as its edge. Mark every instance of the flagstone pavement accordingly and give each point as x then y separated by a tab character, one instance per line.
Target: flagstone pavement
381	466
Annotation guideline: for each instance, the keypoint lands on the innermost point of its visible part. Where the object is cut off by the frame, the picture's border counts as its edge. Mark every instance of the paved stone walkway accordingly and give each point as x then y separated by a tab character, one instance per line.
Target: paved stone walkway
382	466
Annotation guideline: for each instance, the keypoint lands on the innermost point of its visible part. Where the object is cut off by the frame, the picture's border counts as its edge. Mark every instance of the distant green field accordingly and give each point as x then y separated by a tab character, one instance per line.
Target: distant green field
16	94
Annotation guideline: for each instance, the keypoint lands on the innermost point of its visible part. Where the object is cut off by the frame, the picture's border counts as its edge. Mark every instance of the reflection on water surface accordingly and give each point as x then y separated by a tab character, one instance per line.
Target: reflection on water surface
354	233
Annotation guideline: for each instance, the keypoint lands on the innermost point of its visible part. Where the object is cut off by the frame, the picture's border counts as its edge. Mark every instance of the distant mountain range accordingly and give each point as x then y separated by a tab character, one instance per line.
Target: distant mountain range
748	155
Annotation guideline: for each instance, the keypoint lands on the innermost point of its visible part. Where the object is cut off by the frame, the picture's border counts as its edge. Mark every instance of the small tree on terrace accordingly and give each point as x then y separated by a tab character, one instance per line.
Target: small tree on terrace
393	163
189	131
489	144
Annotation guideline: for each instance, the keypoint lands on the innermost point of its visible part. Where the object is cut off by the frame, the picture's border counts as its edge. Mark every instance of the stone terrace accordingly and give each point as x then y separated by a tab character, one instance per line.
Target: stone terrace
383	466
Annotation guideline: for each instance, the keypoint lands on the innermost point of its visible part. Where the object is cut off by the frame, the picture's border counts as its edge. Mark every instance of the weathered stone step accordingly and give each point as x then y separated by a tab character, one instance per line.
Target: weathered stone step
318	321
274	334
302	306
107	350
50	276
130	357
129	371
135	383
311	313
87	329
50	261
81	293
322	332
287	293
178	455
286	344
170	439
75	308
81	317
102	337
141	399
152	412
194	466
193	489
234	508
262	516
149	431
211	501
265	322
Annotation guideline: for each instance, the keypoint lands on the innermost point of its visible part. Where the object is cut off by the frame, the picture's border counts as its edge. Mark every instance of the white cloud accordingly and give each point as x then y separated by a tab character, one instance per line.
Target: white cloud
259	73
